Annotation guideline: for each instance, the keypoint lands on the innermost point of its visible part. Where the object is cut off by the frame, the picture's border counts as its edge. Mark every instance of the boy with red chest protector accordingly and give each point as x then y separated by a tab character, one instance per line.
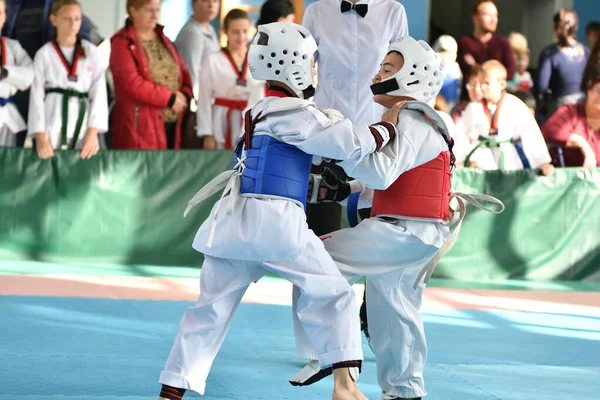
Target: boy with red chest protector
408	186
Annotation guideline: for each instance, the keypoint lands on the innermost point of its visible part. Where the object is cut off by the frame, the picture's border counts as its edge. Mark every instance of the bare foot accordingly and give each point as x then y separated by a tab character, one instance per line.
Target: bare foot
348	394
344	387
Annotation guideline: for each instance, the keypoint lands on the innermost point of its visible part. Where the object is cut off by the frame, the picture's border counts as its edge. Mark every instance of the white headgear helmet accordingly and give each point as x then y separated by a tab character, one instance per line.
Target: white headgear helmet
421	77
284	55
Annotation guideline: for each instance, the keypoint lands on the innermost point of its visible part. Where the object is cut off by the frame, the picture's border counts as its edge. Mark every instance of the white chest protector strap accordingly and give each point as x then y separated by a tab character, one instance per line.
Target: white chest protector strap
473	199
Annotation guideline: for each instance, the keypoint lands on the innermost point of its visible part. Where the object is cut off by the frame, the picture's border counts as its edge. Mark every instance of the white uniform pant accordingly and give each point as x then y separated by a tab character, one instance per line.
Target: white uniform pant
326	308
391	259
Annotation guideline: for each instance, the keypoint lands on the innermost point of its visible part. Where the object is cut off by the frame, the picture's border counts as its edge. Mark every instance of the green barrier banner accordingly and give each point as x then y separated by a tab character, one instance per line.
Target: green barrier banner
127	207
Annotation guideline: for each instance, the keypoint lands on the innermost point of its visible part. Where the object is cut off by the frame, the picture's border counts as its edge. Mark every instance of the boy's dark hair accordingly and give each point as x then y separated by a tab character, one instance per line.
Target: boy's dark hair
476	5
527	98
272	10
236	13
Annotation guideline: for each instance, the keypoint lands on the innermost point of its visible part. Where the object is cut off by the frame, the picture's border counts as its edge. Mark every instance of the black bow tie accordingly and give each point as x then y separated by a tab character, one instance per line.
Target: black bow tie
361	9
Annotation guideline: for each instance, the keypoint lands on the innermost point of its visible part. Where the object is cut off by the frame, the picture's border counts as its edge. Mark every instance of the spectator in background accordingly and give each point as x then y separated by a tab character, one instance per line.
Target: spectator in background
196	39
474	92
276	11
153	88
503	133
521	52
483	44
576	127
447	48
28	22
561	66
226	87
16	73
592	33
67	104
593	61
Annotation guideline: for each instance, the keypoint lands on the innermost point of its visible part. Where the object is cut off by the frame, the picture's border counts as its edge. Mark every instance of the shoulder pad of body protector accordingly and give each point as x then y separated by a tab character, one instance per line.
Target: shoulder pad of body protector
431	115
286	104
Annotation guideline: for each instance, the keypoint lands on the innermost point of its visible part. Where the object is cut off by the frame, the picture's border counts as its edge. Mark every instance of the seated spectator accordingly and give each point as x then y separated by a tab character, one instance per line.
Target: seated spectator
576	127
226	87
503	133
561	66
473	87
520	48
16	74
447	48
153	88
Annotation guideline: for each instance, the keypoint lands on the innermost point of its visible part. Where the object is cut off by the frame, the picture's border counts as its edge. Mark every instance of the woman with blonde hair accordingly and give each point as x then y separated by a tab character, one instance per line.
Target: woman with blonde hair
67	103
153	87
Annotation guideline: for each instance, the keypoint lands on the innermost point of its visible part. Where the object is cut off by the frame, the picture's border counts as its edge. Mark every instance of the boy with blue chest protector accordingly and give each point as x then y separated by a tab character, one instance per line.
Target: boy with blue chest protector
259	225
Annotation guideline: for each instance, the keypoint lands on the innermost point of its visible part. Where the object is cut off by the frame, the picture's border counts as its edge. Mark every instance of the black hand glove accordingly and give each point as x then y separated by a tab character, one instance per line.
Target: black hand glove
327	187
3	73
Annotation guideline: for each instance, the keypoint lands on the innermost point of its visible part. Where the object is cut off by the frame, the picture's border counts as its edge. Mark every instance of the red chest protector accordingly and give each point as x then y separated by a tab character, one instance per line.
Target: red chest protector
422	193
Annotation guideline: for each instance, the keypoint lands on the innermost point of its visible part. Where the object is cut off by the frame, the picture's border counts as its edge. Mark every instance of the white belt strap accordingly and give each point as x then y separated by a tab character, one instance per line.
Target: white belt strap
428	269
230	180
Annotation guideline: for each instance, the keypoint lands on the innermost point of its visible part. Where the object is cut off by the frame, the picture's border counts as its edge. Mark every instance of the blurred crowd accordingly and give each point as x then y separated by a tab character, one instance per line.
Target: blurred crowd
156	94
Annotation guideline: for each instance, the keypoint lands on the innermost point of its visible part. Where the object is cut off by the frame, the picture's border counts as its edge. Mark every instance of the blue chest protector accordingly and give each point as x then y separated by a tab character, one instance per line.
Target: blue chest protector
272	167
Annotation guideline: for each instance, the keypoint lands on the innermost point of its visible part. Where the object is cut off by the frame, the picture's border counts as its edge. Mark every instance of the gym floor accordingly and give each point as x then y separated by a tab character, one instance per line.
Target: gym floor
103	332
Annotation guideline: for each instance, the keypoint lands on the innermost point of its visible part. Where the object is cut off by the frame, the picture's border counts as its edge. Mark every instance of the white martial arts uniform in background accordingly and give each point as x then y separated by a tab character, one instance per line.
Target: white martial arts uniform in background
225	92
19	67
518	134
262	228
350	49
85	86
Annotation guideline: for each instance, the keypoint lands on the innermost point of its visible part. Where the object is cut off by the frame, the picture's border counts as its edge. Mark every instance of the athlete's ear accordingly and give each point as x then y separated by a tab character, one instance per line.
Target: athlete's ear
52	19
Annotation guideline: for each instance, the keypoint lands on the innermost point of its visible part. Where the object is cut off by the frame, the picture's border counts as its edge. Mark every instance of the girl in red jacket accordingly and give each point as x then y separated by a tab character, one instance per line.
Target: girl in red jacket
152	85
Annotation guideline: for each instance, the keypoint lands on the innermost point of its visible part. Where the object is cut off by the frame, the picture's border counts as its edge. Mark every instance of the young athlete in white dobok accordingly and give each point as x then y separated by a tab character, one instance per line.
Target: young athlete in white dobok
16	73
226	86
408	186
259	225
67	102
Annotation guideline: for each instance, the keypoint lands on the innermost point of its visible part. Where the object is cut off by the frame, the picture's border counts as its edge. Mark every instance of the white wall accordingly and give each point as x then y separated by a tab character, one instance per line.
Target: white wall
108	15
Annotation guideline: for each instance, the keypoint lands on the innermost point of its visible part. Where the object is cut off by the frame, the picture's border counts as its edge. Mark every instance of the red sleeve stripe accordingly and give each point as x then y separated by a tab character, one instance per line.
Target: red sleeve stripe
377	136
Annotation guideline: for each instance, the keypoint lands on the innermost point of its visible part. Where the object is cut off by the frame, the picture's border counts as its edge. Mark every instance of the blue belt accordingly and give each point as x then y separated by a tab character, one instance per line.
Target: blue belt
4	102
